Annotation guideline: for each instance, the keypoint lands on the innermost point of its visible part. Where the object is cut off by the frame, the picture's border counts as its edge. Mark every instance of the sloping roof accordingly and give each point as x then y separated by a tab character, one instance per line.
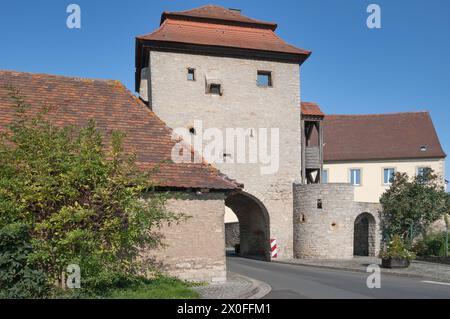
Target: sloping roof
217	26
114	108
213	12
380	136
311	109
216	34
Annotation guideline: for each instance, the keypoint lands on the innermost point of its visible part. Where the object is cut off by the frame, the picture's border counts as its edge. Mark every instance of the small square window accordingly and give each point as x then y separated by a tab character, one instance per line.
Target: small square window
191	74
264	79
355	177
319	204
215	89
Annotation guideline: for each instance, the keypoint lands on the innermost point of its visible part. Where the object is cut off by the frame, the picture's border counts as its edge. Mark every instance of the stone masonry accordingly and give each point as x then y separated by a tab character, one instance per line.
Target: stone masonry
324	219
194	249
243	104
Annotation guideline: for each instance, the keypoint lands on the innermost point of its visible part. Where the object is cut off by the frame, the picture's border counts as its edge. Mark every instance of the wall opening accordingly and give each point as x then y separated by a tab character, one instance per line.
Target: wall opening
254	227
364	235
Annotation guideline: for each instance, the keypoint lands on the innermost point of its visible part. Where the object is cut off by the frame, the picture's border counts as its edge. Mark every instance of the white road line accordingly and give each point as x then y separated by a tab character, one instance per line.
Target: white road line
436	283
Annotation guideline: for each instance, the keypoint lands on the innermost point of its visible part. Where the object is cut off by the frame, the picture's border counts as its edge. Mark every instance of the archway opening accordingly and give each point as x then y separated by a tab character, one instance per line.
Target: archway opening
254	227
364	235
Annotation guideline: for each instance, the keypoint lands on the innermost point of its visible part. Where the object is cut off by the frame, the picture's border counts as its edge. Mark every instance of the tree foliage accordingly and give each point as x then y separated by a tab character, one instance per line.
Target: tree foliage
410	205
80	199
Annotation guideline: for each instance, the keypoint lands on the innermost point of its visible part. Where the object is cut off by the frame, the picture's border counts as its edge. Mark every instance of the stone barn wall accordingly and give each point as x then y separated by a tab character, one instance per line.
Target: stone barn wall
195	249
328	232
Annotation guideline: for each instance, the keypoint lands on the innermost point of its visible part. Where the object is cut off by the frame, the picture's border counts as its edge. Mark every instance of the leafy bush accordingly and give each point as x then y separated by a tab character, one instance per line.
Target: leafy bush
410	206
18	279
431	245
80	200
397	249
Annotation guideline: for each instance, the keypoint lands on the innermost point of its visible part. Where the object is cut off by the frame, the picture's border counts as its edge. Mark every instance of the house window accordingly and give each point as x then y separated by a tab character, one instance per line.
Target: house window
355	177
325	176
215	89
191	74
264	79
388	176
423	172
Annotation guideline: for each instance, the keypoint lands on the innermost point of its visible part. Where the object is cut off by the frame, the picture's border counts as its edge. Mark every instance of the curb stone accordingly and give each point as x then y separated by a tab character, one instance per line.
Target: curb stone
251	288
259	291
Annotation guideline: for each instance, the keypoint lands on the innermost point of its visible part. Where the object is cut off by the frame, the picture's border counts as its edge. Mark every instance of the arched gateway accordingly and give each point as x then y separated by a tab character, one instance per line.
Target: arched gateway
254	225
364	235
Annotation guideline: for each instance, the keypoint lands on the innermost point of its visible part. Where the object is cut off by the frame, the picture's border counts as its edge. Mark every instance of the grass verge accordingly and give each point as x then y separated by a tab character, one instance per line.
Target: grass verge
160	288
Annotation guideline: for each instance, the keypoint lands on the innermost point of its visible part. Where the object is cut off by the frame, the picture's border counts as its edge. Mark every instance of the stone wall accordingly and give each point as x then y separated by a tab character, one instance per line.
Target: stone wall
178	102
195	249
231	234
328	232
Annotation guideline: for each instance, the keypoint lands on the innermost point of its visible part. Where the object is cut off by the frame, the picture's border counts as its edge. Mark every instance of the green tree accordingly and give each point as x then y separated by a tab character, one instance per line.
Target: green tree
411	205
80	199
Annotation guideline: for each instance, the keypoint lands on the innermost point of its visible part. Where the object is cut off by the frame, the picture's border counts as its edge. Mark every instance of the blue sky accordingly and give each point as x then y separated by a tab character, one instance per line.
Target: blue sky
404	66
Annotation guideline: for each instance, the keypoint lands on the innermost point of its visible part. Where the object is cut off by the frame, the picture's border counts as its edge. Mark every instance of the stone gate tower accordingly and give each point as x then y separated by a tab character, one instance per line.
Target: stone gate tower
226	70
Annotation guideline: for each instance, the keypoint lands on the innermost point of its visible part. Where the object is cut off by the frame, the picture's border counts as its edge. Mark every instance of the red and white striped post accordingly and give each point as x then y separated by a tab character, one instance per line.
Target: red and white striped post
274	248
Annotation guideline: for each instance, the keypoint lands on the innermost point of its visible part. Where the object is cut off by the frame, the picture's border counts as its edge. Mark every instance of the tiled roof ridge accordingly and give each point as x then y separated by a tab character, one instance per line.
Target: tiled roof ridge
378	114
68	77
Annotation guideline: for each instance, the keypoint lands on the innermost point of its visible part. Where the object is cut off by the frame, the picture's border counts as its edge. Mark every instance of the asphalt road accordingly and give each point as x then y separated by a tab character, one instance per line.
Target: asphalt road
302	282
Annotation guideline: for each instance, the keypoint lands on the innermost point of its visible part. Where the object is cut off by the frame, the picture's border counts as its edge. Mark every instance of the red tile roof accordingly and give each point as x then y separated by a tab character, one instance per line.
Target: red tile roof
380	136
311	109
213	12
113	107
223	35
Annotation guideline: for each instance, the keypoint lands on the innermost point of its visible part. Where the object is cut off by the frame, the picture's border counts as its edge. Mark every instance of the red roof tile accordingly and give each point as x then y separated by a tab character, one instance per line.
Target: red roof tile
213	12
113	107
215	34
312	109
380	136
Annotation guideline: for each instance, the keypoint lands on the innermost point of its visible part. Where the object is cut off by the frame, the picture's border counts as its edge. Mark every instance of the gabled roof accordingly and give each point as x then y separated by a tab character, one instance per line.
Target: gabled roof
311	109
380	137
76	101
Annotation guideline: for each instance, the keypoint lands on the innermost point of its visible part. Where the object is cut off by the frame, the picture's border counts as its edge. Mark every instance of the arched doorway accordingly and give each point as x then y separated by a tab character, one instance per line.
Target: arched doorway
364	235
254	230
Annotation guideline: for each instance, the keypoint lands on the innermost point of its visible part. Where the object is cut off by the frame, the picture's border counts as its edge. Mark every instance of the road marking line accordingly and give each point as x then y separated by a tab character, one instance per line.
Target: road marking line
436	283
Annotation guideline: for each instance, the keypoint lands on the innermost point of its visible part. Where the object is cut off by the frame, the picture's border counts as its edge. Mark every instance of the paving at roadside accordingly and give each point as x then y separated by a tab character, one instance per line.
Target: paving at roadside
236	287
426	270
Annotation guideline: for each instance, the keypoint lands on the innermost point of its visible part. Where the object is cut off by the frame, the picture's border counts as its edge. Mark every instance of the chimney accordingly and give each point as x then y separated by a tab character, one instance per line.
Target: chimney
238	11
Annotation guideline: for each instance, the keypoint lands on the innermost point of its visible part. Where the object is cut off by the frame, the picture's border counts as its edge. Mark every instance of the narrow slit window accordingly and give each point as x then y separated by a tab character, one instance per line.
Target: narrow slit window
191	74
355	177
264	79
325	176
388	176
